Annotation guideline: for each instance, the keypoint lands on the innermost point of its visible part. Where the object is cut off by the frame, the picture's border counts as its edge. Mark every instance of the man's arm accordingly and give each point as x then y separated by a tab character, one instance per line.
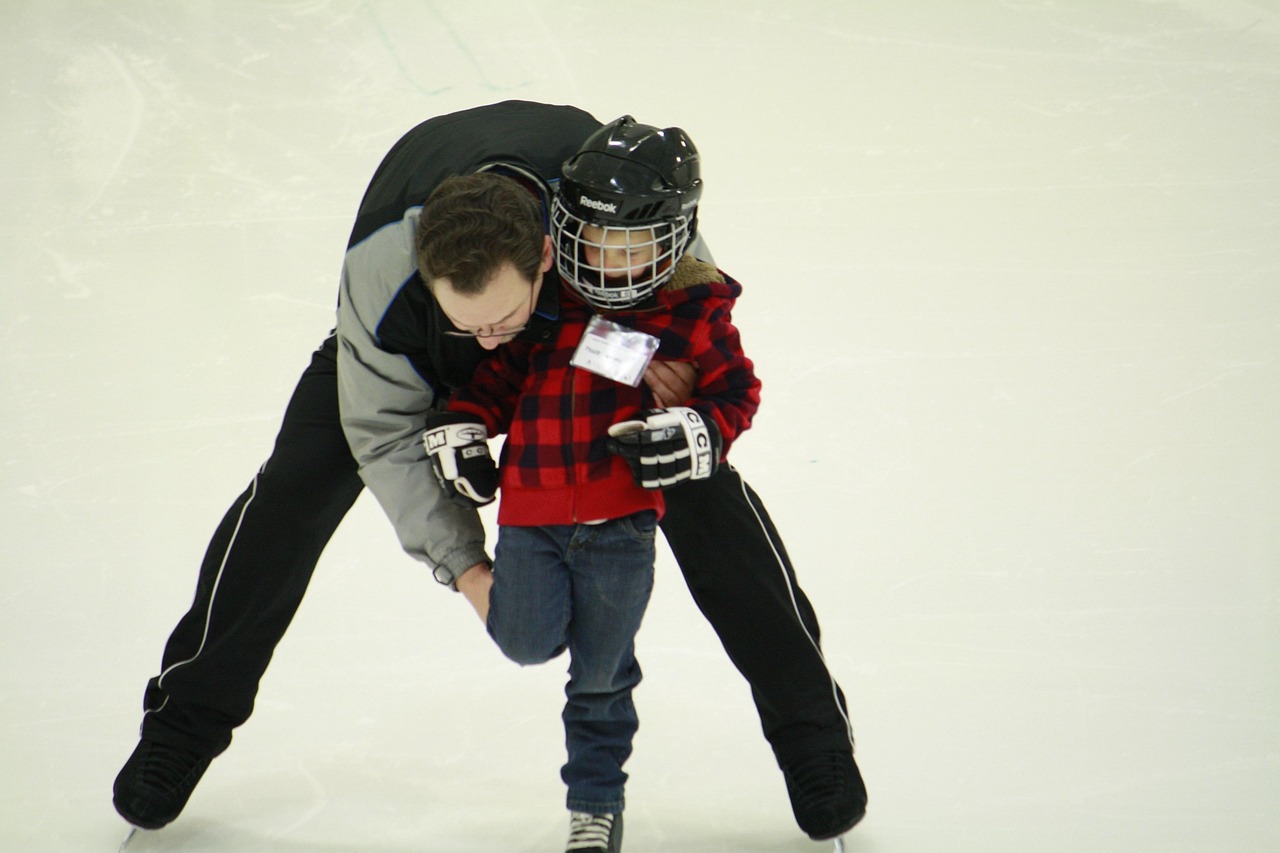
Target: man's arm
671	382
384	403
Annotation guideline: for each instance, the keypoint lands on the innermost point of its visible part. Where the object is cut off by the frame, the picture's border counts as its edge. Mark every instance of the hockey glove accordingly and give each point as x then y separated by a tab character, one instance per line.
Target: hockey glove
665	447
459	453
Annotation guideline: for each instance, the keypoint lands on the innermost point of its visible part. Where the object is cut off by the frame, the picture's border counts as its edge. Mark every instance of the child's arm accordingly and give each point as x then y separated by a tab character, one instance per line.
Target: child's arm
726	387
456	439
494	388
665	447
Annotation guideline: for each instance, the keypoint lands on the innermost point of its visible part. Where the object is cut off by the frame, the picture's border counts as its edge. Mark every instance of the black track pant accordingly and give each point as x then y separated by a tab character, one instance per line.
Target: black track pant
262	555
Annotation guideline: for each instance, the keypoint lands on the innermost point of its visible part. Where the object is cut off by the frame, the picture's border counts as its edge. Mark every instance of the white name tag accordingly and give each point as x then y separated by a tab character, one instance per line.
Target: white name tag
614	352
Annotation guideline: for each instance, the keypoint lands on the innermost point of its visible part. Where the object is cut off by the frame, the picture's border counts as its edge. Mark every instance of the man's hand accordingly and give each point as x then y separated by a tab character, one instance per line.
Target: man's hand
458	449
671	382
474	584
665	447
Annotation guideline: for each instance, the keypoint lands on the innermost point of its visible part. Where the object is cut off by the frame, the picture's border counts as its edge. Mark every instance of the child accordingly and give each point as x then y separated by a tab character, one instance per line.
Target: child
574	559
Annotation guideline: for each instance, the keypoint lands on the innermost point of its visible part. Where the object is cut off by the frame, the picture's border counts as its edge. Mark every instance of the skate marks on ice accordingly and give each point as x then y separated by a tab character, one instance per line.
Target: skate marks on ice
133	831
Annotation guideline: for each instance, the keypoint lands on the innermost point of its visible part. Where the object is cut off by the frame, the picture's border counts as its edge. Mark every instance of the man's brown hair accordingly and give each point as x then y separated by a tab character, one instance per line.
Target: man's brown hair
472	225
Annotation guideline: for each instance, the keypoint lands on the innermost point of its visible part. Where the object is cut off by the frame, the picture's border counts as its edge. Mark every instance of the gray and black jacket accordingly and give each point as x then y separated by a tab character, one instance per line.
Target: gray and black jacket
394	364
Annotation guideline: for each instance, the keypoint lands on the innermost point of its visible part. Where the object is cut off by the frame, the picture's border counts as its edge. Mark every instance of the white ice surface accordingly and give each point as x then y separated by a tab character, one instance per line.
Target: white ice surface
1012	280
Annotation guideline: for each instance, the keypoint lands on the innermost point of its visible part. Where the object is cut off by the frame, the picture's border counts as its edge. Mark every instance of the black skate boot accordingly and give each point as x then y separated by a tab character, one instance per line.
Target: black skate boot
827	793
594	833
156	782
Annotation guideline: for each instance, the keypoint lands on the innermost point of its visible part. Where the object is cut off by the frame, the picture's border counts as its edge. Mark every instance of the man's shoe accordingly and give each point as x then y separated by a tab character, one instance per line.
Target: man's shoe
594	833
156	782
827	794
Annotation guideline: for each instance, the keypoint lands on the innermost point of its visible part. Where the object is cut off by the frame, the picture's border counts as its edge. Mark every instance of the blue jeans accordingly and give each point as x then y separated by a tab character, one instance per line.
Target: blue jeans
581	587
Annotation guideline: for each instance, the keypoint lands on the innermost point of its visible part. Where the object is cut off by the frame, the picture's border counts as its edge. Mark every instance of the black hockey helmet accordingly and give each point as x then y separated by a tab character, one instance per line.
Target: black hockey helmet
637	187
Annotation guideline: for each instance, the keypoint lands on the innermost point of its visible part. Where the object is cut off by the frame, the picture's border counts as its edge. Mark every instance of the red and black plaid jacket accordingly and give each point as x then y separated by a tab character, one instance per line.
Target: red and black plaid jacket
555	467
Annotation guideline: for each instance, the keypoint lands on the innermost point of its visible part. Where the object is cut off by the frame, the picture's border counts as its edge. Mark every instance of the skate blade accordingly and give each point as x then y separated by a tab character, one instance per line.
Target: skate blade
133	830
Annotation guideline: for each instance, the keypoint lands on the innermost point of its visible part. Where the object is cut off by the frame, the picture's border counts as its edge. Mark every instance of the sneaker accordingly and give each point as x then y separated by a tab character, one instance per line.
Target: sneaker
594	833
827	793
156	782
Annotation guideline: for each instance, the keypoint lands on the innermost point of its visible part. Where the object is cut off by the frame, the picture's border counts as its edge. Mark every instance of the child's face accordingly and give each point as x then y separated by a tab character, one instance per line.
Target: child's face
618	253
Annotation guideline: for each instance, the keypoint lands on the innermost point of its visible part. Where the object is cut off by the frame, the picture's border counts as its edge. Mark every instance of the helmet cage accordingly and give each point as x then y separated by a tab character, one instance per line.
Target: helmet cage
656	246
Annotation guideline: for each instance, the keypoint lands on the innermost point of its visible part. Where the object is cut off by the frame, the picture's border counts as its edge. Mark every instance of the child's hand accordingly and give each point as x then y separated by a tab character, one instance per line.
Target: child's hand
666	447
459	453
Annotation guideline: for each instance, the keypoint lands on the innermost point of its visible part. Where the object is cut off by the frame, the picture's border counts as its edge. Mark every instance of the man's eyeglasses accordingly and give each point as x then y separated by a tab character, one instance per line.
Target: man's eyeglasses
496	333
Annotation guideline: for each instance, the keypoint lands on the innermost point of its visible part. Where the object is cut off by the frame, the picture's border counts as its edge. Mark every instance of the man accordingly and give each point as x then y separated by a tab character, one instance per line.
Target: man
398	354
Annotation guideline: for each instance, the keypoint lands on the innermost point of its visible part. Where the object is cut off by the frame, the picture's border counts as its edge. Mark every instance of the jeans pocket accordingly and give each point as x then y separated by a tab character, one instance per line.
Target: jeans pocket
640	525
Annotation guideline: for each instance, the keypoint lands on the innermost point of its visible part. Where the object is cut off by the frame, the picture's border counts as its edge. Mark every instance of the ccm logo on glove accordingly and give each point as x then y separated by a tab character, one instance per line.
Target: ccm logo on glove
667	446
438	438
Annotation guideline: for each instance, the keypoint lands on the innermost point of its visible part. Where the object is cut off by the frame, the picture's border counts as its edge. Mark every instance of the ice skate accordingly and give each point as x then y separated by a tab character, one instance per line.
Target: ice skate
590	833
827	794
155	783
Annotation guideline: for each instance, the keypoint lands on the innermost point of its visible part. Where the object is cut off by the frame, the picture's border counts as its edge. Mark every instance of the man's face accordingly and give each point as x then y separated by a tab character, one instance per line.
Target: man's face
500	311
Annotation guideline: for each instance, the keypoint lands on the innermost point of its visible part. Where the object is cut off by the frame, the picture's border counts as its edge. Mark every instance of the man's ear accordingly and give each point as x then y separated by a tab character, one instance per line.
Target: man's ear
548	252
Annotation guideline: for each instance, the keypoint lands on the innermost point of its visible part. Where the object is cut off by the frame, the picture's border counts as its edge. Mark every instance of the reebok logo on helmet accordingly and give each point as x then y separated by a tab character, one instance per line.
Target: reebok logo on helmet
596	204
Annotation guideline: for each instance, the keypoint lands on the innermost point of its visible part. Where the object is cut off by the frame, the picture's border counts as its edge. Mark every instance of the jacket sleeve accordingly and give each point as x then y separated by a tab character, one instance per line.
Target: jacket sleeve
727	387
495	387
383	404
